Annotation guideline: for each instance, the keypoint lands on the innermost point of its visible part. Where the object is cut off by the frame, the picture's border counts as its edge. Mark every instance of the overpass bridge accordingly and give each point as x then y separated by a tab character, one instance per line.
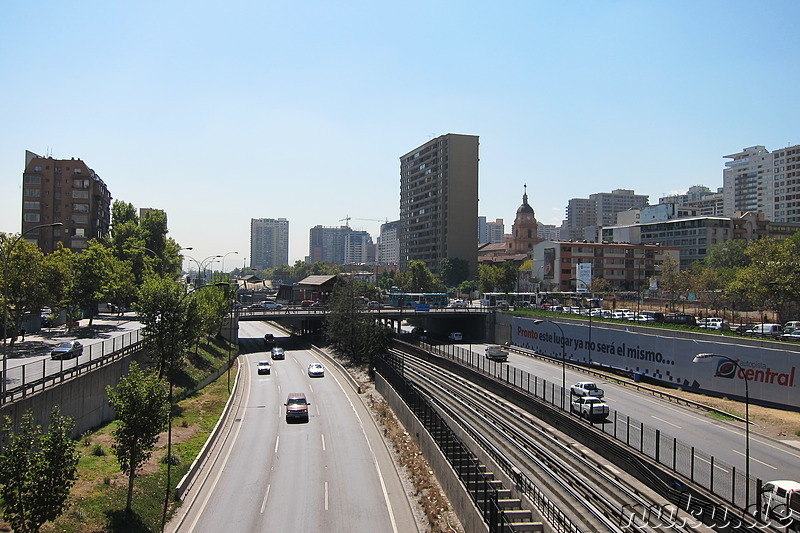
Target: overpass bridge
476	324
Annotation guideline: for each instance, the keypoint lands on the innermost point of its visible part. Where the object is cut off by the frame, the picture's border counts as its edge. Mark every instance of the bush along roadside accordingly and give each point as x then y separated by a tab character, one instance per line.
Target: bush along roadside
98	498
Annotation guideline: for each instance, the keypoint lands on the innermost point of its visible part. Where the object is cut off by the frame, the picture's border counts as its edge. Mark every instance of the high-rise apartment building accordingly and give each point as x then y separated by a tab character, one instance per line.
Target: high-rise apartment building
759	181
389	243
326	244
439	202
65	191
491	232
269	242
358	248
586	216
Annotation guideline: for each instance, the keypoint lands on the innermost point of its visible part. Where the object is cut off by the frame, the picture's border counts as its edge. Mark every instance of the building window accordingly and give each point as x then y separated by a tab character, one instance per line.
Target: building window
30	217
33	193
30	205
33	180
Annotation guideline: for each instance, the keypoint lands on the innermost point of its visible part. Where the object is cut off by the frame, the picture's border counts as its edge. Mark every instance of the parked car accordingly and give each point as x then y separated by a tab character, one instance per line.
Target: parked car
765	330
296	406
680	318
278	353
741	328
716	323
316	370
795	324
264	367
590	407
67	350
641	318
792	335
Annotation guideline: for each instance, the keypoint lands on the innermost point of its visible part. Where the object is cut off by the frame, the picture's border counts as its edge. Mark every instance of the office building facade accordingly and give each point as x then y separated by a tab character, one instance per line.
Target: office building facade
439	202
65	191
269	243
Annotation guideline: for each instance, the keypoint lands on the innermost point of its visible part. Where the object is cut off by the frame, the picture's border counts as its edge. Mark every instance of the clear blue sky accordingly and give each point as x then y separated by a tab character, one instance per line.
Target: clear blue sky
223	112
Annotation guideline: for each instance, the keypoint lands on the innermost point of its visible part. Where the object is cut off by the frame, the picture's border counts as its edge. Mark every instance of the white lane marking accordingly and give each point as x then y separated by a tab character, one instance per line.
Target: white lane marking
322	436
310	387
277	441
221	469
374	458
666	422
264	503
326	495
756	460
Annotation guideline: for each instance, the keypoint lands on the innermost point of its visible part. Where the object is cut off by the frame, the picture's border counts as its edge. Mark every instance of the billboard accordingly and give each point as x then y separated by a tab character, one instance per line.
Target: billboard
549	263
584	276
771	373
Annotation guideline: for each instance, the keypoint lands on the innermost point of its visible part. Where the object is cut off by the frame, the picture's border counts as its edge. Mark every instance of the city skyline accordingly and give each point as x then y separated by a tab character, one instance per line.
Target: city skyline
303	112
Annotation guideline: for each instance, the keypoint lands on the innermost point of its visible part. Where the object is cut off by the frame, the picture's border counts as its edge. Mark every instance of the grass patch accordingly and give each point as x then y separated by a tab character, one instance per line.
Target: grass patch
98	498
721	416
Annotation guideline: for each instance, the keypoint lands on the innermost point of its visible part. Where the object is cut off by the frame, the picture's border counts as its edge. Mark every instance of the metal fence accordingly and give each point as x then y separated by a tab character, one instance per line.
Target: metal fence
716	476
483	492
33	377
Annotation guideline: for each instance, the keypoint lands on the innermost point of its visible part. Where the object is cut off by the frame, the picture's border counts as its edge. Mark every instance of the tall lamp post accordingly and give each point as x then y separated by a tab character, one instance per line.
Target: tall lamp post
589	345
563	357
223	260
201	264
706	357
6	258
171	386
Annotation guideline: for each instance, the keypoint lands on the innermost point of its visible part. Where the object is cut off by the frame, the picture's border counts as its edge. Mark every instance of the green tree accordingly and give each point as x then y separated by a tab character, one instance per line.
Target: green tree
141	403
348	325
92	268
488	276
37	471
454	271
508	276
120	286
418	278
23	278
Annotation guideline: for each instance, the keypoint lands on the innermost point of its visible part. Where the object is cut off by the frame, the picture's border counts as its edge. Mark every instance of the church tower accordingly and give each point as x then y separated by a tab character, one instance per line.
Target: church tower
524	231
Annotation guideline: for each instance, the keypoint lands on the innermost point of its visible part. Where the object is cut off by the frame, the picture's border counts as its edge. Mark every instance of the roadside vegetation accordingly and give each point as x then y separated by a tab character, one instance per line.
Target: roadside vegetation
98	499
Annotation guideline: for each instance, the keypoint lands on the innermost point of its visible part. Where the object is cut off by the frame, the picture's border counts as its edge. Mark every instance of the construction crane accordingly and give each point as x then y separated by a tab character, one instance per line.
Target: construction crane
384	220
347	219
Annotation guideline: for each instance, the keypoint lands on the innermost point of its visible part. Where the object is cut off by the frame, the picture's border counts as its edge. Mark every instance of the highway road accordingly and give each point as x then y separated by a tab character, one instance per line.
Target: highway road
769	459
270	475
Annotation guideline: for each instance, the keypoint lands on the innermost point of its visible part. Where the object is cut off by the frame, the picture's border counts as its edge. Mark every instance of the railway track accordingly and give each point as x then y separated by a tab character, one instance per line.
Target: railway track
585	487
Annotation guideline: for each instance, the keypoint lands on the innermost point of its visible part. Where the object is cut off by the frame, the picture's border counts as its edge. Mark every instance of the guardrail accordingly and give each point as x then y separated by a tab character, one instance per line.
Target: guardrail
29	378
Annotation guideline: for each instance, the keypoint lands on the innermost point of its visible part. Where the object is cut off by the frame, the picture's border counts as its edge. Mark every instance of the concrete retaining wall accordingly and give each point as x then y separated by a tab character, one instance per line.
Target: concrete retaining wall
469	515
83	398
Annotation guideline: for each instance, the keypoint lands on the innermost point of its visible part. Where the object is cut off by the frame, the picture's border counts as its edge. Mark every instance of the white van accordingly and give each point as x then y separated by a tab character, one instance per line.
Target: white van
794	324
765	330
781	499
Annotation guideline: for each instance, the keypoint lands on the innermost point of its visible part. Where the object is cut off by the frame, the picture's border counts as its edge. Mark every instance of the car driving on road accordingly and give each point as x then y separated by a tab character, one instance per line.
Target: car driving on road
277	353
590	407
67	350
296	407
264	367
316	370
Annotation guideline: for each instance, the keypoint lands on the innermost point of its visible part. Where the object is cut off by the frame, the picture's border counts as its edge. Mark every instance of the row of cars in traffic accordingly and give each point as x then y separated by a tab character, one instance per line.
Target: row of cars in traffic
586	399
296	402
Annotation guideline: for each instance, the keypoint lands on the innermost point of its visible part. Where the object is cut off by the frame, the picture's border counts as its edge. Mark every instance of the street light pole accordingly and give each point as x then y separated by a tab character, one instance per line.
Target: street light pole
705	356
589	345
6	258
171	386
223	260
563	357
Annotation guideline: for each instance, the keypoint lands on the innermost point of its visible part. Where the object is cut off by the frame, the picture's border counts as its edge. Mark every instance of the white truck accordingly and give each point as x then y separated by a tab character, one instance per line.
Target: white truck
780	500
590	407
495	352
586	388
